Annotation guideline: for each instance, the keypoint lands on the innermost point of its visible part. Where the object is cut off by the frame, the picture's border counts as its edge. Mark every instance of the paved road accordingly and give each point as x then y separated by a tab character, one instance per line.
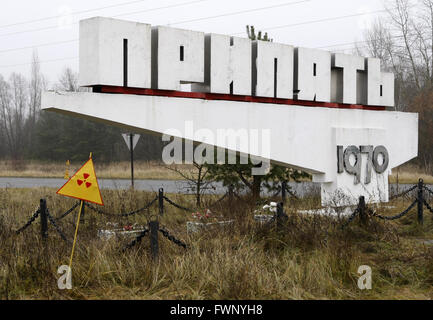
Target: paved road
170	186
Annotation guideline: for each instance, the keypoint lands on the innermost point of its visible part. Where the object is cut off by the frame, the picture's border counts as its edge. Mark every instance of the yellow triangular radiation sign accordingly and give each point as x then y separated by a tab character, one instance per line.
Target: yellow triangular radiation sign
83	185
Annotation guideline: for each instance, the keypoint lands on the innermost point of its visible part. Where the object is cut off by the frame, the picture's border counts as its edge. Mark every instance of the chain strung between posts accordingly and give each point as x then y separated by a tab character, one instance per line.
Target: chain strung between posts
136	240
428	206
31	220
401	194
374	214
352	216
69	211
176	205
59	231
173	239
428	190
147	206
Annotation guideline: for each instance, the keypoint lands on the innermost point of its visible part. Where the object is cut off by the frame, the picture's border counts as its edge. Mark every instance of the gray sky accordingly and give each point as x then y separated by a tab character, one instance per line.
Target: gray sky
14	34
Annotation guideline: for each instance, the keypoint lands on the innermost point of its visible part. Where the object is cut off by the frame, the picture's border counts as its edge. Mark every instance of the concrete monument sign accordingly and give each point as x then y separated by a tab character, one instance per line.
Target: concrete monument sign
328	114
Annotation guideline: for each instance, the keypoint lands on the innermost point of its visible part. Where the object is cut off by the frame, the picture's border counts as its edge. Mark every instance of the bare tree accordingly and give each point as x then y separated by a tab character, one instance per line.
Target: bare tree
380	43
36	85
68	81
402	19
404	43
5	114
195	180
423	104
424	32
13	114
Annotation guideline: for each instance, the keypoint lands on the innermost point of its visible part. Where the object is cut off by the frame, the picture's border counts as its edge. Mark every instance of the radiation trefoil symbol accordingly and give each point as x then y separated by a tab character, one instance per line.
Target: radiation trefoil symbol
83	185
87	184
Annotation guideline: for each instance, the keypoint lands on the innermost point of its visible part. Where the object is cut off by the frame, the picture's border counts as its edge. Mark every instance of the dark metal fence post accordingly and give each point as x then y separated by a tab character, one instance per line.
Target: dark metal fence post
281	216
231	194
362	211
283	191
154	248
161	201
420	201
44	221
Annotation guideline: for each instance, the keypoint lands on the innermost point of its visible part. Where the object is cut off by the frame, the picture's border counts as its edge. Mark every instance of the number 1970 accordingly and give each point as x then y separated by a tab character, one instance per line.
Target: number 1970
343	162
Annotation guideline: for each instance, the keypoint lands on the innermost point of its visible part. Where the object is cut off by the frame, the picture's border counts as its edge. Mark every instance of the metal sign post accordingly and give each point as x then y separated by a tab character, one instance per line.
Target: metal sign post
131	141
131	137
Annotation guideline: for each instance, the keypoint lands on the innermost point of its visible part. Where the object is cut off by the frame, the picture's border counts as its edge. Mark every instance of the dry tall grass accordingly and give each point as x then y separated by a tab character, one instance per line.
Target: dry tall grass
310	258
409	174
118	170
150	170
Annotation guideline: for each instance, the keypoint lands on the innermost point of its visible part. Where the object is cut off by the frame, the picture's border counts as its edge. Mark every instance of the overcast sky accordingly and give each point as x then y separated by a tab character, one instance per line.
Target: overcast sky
216	16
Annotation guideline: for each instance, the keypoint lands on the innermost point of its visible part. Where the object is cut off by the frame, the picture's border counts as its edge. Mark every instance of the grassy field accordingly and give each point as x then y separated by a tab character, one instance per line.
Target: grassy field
409	174
118	170
151	170
311	257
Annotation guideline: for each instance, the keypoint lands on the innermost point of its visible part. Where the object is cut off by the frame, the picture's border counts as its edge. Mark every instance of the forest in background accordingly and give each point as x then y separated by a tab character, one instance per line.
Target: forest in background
403	41
27	133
